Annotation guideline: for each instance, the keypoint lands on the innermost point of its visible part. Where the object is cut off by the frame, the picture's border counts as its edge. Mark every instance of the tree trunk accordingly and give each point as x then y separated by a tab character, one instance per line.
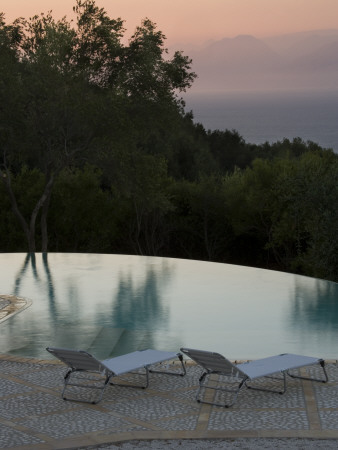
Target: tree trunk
43	202
44	229
6	178
29	230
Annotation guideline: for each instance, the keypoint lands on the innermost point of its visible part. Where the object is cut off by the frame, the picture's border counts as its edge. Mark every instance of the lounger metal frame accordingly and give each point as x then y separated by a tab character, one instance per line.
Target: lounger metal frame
80	361
241	374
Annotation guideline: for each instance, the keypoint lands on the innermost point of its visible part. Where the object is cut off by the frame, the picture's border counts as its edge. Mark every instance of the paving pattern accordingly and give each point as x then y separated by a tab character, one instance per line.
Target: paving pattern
33	415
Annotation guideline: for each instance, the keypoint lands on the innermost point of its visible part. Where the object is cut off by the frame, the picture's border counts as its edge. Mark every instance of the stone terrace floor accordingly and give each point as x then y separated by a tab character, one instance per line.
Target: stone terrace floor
33	415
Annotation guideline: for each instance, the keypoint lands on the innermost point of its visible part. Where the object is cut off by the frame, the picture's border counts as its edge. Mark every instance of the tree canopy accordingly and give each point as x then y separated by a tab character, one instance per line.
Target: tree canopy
65	90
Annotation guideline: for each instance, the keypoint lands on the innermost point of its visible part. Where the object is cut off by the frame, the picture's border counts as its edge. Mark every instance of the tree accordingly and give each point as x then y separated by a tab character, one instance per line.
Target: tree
96	48
63	88
141	184
43	125
306	220
81	217
200	223
229	150
283	212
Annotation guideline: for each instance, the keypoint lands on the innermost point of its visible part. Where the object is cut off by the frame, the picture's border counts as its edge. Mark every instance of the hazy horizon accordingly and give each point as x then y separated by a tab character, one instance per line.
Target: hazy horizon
235	45
301	60
195	22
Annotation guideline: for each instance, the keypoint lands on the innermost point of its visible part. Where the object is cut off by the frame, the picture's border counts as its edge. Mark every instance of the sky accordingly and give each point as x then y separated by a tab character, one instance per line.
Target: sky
197	21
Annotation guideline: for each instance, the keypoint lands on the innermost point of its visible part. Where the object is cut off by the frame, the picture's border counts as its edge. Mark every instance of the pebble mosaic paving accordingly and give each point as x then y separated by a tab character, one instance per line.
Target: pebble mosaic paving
151	407
76	423
33	415
11	438
221	419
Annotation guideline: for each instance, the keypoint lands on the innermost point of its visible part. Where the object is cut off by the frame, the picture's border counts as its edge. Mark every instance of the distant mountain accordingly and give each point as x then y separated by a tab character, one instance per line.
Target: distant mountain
240	51
298	44
299	60
325	56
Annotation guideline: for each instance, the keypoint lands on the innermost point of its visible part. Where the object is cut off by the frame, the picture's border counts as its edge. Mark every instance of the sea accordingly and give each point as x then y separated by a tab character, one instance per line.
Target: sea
261	116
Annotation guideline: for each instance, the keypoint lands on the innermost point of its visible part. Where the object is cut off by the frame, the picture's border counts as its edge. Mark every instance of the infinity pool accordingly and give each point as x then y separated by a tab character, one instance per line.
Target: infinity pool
113	304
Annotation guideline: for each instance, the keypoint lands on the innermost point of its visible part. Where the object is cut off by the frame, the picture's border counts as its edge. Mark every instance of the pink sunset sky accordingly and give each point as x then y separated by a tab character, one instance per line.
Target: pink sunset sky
196	21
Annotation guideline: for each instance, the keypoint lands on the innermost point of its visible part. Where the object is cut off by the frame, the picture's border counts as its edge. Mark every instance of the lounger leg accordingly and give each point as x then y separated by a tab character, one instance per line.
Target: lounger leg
271	390
137	386
67	383
320	380
177	374
202	385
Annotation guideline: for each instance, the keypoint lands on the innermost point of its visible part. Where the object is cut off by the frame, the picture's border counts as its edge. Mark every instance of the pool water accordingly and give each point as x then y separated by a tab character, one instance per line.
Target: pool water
113	304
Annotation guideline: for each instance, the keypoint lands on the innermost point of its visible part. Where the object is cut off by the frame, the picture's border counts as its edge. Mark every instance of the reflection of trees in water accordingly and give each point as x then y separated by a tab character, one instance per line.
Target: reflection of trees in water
141	306
315	305
138	309
29	258
24	332
46	284
137	304
129	320
30	261
51	289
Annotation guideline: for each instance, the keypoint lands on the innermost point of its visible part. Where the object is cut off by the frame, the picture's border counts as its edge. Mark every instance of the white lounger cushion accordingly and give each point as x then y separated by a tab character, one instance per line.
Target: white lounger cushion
137	360
273	364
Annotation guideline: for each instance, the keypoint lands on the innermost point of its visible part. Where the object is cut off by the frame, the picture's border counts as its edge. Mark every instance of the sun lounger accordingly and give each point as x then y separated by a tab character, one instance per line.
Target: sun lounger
81	361
240	374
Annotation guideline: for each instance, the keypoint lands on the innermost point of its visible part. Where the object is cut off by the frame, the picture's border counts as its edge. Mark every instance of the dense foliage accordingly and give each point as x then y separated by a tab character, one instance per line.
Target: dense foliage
98	155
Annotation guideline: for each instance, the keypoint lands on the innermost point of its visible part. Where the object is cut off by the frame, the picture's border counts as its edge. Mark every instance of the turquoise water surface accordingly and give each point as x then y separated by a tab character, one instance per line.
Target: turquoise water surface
113	304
